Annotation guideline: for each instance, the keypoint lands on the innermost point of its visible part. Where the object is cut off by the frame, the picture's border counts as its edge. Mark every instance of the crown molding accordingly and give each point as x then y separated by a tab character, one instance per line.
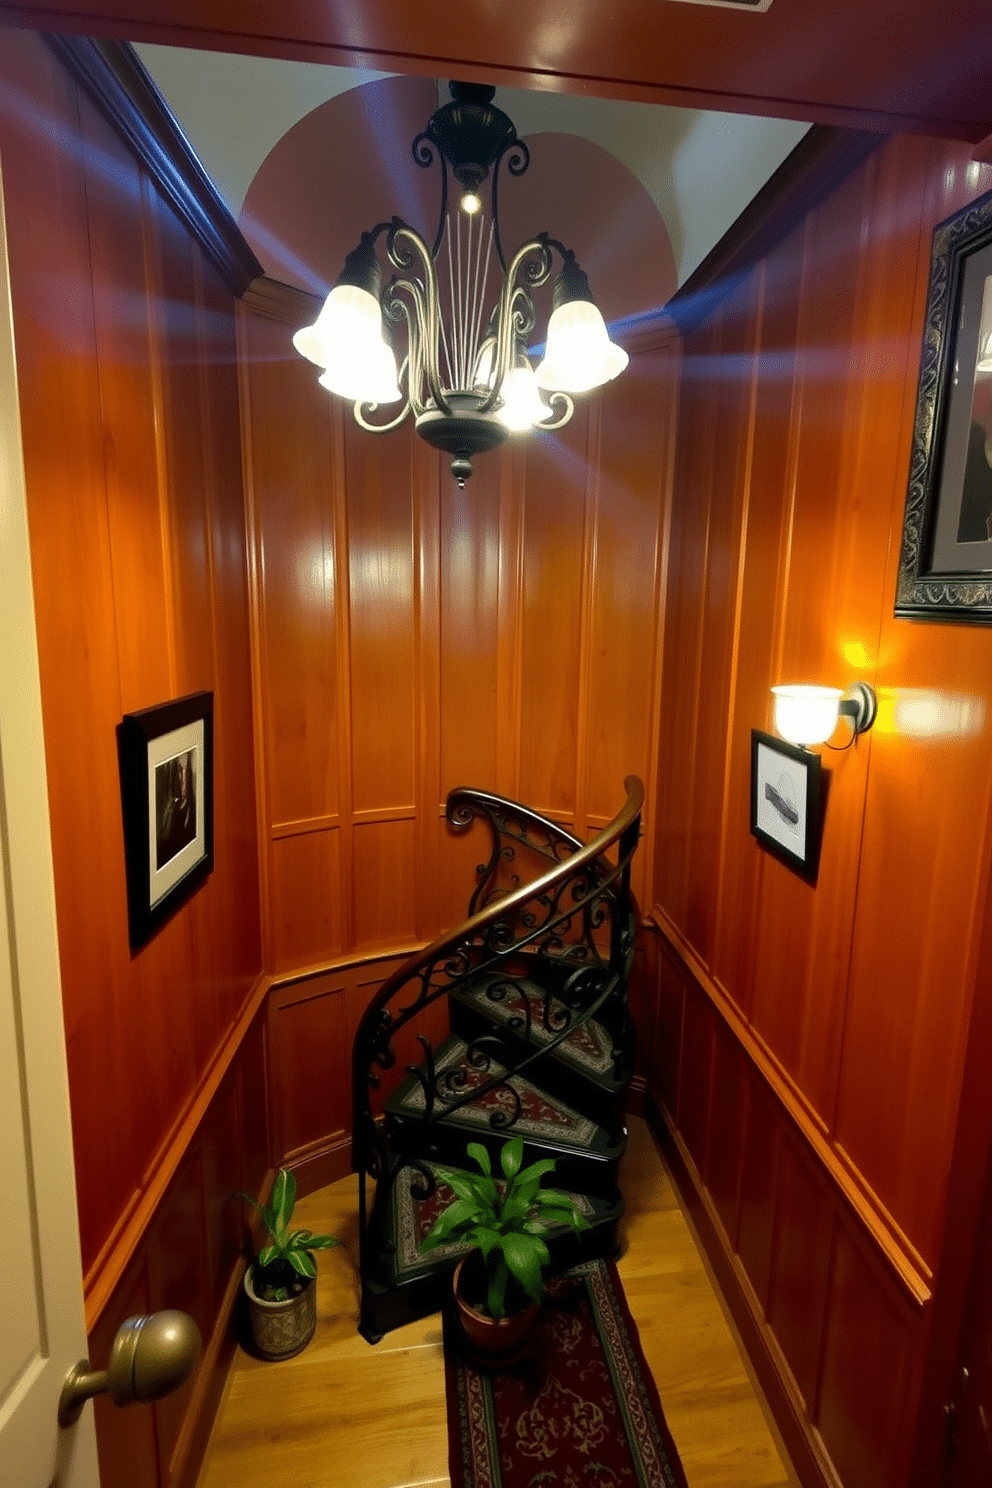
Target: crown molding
823	158
113	75
278	301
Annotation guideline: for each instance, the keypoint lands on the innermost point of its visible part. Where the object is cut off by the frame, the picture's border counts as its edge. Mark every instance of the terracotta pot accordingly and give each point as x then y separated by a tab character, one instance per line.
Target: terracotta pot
495	1343
281	1329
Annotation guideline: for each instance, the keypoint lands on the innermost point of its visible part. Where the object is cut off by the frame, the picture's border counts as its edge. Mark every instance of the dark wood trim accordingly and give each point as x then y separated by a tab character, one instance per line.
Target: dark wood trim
809	1458
115	79
820	162
652	332
321	1163
281	301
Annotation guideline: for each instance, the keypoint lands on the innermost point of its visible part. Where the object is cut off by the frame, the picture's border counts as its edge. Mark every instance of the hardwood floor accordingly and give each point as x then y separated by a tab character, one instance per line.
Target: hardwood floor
345	1413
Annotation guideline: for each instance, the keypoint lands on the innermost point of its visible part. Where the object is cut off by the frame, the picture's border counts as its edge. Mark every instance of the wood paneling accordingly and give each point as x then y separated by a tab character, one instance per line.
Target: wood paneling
386	869
799	1265
381	573
309	1059
814	1087
412	637
305	899
867	1341
126	360
553	616
129	396
475	569
758	1187
190	1256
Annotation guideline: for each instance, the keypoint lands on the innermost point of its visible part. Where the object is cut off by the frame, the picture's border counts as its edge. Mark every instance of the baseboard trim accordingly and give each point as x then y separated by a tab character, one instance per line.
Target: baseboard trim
321	1163
801	1439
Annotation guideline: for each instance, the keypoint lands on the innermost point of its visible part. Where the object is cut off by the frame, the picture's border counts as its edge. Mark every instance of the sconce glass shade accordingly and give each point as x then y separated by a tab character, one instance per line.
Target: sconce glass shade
806	715
579	354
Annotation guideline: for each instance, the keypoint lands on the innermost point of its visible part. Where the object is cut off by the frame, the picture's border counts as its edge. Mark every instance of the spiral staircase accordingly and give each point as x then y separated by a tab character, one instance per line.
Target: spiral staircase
516	1022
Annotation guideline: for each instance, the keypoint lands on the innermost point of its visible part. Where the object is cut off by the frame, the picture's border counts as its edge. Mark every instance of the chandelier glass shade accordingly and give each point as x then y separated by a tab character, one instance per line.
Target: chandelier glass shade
464	311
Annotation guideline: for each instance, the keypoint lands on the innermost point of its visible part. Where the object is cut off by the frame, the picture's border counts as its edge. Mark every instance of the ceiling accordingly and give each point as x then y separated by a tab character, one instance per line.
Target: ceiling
700	168
884	65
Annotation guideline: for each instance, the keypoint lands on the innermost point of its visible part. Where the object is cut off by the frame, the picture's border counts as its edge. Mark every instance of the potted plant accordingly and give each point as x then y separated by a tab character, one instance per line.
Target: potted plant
499	1285
280	1284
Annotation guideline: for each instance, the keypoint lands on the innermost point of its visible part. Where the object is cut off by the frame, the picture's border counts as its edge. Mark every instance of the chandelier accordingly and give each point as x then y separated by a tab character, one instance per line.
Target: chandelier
466	372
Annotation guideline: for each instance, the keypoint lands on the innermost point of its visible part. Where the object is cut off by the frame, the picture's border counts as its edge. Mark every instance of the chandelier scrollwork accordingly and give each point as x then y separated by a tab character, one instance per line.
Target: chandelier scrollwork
467	378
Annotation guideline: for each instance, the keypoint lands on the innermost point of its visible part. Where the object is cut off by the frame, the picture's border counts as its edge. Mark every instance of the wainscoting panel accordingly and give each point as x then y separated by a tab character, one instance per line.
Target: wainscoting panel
295	550
554	524
729	1117
760	1158
800	1259
305	903
386	881
474	565
125	1438
309	1059
867	1357
378	494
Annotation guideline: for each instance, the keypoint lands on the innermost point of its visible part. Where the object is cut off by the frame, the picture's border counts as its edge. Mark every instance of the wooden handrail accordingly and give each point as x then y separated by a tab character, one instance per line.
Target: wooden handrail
468	929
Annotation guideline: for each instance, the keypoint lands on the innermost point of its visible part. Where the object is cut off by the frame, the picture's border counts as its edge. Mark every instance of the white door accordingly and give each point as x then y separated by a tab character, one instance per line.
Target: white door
42	1331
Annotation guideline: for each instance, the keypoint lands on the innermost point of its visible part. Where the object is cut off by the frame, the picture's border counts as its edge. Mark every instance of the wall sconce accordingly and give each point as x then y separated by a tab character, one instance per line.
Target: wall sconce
808	715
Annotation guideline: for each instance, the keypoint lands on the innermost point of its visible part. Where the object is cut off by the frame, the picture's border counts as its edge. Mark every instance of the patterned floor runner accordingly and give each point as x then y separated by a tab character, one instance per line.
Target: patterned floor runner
582	1412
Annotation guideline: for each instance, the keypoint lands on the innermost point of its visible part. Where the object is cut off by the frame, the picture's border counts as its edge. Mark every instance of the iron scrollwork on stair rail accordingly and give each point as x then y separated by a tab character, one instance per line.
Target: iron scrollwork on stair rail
547	947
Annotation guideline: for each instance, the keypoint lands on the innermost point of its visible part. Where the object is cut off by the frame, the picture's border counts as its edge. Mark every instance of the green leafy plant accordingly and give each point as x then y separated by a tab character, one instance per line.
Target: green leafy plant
285	1265
506	1220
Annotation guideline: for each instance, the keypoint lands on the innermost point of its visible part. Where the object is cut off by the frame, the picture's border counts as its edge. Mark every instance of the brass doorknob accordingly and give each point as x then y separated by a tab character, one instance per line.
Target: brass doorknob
150	1357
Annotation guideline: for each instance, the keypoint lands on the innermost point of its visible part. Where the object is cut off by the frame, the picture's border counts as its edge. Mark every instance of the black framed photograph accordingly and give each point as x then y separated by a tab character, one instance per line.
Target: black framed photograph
786	817
945	569
165	756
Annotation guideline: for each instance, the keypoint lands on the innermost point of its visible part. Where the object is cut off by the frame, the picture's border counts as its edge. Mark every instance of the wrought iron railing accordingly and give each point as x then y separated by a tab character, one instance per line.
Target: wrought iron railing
559	946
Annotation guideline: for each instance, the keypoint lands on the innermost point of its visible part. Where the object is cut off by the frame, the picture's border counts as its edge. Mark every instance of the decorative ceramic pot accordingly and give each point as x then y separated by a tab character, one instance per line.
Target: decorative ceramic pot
281	1329
496	1343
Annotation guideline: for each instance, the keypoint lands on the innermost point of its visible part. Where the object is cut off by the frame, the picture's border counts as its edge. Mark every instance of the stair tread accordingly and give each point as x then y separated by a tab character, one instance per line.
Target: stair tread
588	1050
544	1118
412	1218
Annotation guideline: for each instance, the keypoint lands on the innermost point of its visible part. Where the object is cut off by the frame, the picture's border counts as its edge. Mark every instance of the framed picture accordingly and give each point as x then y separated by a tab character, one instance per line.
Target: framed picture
945	569
165	756
785	801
